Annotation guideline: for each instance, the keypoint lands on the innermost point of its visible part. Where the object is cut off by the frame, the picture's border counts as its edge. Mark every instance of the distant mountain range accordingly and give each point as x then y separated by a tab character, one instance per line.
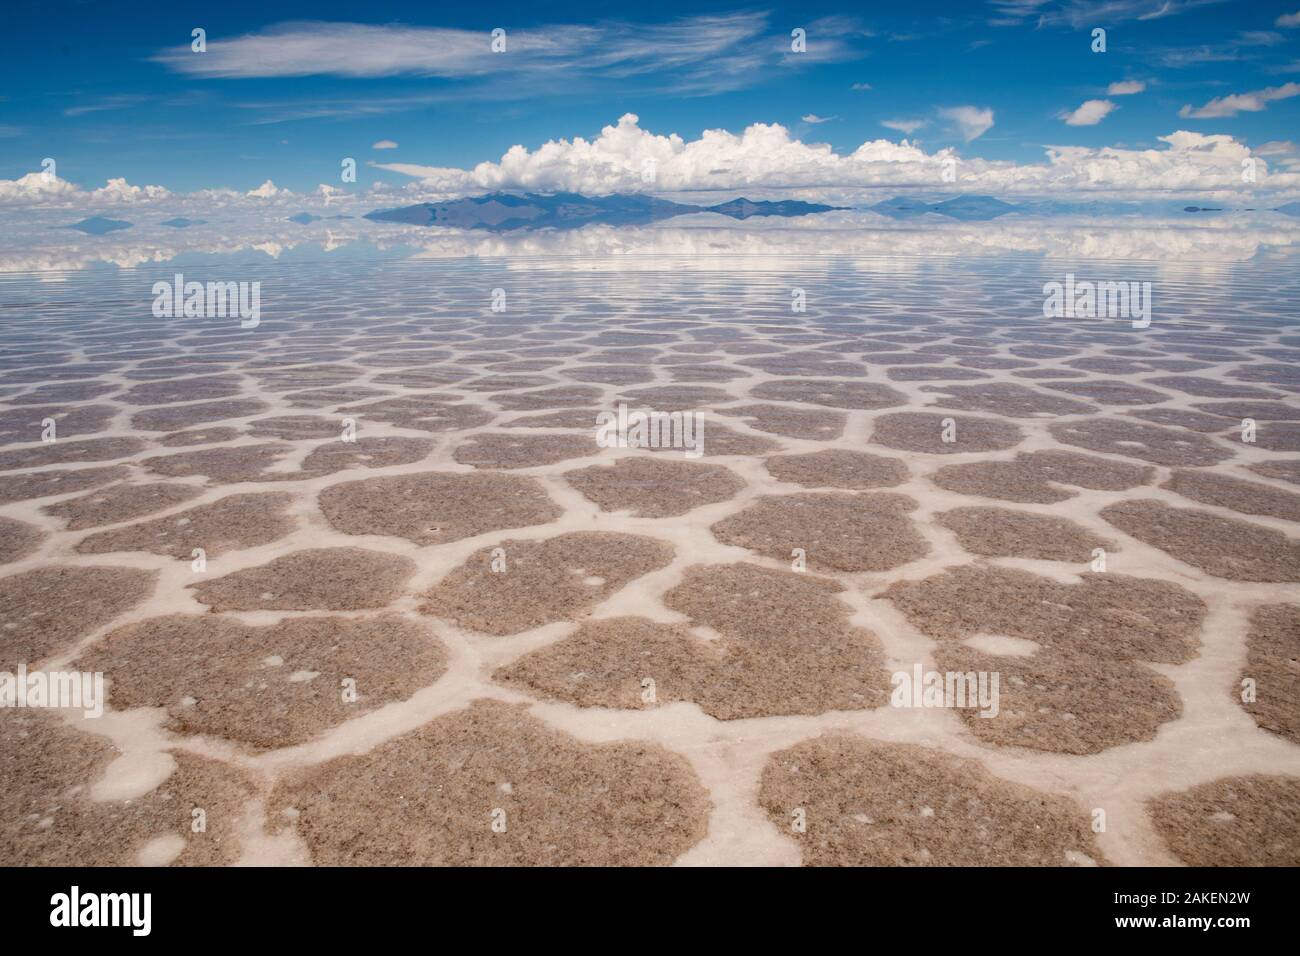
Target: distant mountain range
503	211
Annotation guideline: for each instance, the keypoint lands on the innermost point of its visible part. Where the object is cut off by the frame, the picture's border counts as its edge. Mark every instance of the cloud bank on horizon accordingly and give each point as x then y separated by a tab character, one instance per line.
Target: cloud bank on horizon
766	159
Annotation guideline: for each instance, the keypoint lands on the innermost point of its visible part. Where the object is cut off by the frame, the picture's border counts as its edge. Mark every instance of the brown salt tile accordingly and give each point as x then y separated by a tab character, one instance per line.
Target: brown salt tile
1223	547
494	450
804	658
46	611
1109	616
48	819
1065	701
1112	393
585	418
18	539
64	452
199	436
933	373
655	487
1035	477
924	432
1182	418
1163	446
1251	820
834	394
837	531
553	579
120	503
676	398
1263	411
268	686
866	803
719	440
564	396
431	797
435	507
314	579
421	412
170	418
1209	387
1004	533
294	427
1287	470
1272	649
20	425
838	468
172	391
365	452
43	484
791	422
227	524
1007	398
1274	436
227	465
1247	497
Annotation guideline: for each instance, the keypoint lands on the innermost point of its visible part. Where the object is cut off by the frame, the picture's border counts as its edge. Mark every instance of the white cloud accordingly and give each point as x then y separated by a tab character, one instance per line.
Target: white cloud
120	191
1089	113
42	189
706	52
1288	20
1126	88
814	119
34	188
860	86
268	190
972	121
1253	102
907	127
385	144
765	157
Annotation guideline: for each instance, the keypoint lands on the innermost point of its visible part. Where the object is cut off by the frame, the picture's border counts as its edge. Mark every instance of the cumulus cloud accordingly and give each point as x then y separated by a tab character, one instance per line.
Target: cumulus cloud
1126	88
972	121
120	191
384	144
45	189
1089	113
268	190
765	157
907	127
1288	20
1253	102
34	188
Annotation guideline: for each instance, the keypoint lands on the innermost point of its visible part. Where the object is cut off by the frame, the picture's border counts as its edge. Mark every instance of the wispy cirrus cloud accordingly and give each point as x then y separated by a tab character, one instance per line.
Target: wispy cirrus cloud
1253	102
1089	13
725	51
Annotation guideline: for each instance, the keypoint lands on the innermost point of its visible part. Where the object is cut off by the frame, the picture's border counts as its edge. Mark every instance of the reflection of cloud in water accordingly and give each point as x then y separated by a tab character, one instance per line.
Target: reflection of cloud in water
703	242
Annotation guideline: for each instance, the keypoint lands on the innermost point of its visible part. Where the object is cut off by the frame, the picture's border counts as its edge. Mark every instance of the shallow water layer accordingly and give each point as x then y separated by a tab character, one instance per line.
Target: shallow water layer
905	462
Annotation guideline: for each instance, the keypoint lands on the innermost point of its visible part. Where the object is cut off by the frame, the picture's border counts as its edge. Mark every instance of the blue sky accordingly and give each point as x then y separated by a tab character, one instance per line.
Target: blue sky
113	90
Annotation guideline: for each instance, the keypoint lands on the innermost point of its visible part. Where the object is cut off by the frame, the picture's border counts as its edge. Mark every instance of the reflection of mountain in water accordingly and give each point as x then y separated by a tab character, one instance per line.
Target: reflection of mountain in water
501	212
963	207
99	226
